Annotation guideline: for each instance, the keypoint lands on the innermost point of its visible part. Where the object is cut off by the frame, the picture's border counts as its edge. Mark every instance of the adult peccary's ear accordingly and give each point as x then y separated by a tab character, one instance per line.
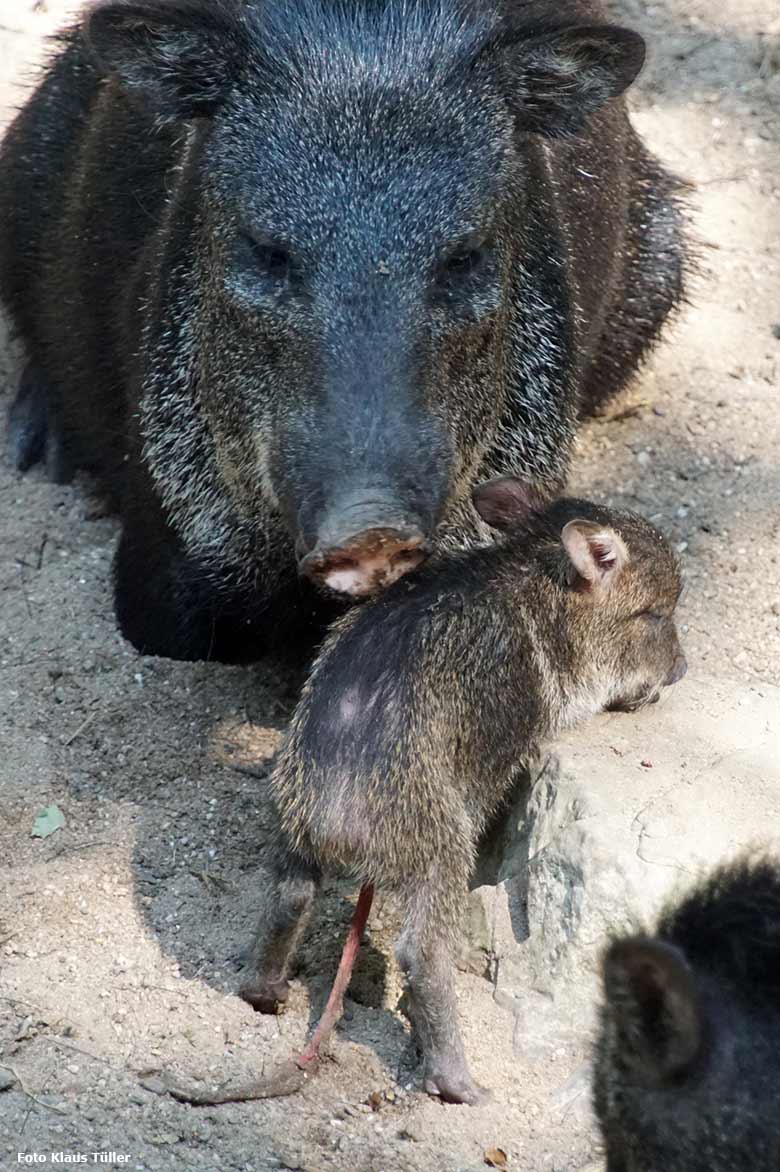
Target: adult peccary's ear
179	58
557	79
653	1006
506	501
597	555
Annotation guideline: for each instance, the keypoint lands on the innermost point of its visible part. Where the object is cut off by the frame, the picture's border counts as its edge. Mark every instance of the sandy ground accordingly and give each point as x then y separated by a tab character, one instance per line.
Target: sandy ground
121	934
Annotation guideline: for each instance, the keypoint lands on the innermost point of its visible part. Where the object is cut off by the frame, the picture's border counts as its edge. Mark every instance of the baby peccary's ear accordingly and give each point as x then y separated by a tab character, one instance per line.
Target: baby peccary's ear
597	556
652	1001
179	58
506	501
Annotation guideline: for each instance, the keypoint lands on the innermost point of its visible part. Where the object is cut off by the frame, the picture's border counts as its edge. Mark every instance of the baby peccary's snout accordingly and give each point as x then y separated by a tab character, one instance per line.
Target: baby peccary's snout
679	668
367	562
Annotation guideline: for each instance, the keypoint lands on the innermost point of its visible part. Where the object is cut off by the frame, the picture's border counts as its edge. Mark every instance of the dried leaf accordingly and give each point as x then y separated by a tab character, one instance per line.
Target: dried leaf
48	822
495	1158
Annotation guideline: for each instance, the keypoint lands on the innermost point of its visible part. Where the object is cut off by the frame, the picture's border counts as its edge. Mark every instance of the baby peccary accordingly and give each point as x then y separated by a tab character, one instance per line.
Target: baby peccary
687	1063
422	702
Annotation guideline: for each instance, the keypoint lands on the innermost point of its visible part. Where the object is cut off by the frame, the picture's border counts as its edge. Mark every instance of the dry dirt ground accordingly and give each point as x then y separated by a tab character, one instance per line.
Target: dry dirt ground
121	934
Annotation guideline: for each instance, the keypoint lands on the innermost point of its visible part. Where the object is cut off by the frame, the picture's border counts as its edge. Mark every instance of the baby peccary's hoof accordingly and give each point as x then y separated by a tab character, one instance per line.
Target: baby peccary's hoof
453	1083
268	997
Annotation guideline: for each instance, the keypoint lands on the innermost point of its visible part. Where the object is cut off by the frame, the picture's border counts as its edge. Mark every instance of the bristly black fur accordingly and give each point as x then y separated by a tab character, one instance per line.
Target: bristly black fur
686	1064
730	926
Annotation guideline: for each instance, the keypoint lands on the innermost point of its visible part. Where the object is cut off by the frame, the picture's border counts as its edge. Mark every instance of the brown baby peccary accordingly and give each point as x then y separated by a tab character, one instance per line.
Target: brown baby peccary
421	704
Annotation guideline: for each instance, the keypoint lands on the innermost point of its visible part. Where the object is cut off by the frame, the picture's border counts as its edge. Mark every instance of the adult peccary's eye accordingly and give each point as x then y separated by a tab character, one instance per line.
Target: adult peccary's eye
272	260
264	258
461	263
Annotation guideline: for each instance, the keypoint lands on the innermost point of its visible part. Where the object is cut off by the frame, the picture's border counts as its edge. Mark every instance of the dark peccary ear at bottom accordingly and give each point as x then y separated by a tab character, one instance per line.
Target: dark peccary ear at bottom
654	1008
179	59
557	79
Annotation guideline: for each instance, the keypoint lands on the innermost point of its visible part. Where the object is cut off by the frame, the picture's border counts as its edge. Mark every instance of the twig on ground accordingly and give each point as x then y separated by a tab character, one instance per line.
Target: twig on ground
84	725
31	1096
78	1050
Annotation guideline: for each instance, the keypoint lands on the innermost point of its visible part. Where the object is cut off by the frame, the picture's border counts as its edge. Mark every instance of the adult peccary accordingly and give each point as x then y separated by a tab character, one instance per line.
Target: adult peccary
291	278
687	1063
422	704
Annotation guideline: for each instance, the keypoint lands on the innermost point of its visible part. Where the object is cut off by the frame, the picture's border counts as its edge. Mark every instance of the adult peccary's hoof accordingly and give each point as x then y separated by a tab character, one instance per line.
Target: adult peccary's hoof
28	421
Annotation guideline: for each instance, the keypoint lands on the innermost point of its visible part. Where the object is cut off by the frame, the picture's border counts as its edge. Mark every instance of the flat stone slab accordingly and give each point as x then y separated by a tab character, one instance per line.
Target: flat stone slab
626	812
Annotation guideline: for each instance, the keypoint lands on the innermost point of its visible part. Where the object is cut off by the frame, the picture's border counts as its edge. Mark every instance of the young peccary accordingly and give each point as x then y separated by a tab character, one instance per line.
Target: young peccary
292	277
422	703
688	1059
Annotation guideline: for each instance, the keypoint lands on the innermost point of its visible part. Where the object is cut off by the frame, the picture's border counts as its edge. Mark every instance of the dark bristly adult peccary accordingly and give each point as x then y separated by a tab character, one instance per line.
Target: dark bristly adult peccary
291	278
688	1059
422	703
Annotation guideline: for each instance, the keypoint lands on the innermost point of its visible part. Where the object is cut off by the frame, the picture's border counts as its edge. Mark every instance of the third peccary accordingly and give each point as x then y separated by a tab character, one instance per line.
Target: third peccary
688	1059
423	702
292	277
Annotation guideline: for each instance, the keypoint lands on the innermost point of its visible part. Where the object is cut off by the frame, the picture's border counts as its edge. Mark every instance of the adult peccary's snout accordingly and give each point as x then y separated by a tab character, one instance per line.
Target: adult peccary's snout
273	261
364	475
356	561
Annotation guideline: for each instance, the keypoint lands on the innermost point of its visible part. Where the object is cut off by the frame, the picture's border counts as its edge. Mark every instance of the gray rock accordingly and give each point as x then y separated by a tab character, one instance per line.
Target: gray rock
627	812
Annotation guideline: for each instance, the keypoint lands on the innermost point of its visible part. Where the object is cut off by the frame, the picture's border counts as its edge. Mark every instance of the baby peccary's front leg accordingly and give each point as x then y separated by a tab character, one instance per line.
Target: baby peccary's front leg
283	920
425	953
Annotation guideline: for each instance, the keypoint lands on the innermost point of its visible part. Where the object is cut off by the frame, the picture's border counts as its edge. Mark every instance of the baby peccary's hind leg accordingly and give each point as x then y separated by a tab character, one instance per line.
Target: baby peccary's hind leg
284	917
425	953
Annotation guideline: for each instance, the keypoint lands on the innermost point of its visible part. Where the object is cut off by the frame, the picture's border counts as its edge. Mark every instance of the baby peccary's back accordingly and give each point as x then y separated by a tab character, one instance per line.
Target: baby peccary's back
411	721
688	1058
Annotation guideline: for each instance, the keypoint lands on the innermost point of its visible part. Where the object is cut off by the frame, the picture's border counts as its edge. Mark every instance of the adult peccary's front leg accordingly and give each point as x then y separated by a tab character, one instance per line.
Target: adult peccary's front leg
426	954
290	897
34	428
164	606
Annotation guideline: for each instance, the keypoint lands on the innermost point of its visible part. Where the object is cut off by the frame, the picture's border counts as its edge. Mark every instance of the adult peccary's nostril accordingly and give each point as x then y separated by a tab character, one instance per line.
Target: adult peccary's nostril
679	668
367	562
